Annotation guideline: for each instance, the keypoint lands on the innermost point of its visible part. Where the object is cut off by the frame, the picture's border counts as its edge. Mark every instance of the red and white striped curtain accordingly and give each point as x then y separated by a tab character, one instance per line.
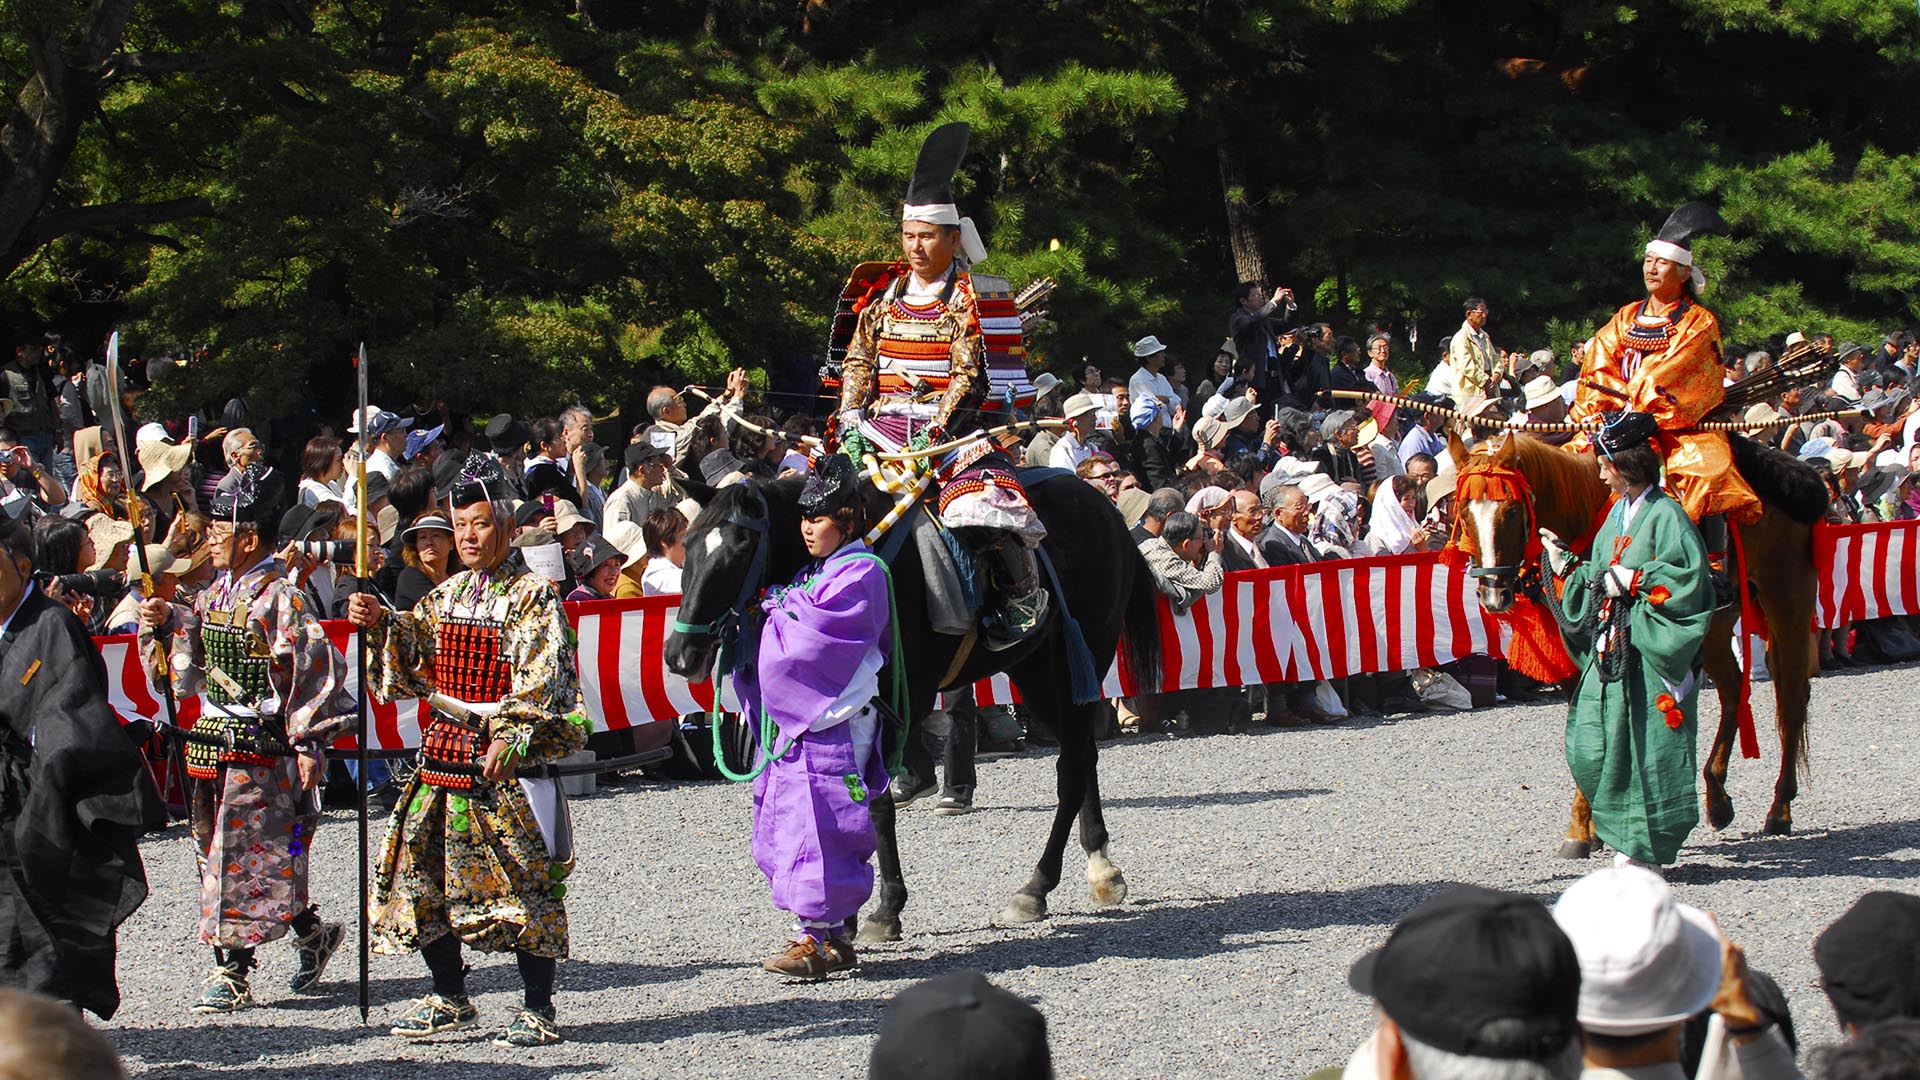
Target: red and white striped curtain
1287	624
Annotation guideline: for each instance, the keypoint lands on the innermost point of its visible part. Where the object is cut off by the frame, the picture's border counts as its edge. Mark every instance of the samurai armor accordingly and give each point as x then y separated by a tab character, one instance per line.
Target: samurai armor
227	649
467	666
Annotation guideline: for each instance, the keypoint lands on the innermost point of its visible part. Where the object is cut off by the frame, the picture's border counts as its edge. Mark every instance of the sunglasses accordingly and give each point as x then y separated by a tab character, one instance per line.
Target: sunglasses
1102	476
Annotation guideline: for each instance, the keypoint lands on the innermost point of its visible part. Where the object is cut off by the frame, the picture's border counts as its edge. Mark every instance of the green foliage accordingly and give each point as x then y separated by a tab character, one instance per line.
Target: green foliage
516	206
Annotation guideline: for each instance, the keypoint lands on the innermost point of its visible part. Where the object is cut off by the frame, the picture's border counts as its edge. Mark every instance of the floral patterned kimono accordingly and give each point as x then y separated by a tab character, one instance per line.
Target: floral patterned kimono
464	855
256	633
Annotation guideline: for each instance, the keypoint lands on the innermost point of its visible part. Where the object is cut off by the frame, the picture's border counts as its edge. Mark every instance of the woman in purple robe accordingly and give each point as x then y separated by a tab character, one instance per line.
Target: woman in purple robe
821	646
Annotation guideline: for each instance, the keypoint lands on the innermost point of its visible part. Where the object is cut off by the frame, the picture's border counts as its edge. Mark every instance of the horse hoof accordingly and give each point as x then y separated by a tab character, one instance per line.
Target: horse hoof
878	929
1024	909
1108	891
1575	849
1720	813
1779	826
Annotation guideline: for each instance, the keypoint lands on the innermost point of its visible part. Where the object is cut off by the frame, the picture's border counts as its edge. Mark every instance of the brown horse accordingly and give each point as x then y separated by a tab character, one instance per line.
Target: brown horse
1566	495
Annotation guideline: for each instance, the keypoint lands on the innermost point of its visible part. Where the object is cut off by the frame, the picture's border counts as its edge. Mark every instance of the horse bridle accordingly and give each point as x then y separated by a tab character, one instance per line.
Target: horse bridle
1487	469
729	620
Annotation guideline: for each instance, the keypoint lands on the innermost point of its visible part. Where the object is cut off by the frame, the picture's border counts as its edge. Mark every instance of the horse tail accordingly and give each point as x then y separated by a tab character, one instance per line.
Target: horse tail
1782	481
1140	627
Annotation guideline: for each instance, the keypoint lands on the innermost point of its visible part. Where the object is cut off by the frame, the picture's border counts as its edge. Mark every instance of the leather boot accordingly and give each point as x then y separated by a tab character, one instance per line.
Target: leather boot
1713	533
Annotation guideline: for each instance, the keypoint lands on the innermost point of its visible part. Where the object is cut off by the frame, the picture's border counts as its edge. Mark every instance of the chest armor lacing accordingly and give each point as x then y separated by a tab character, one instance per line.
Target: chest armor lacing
467	666
224	642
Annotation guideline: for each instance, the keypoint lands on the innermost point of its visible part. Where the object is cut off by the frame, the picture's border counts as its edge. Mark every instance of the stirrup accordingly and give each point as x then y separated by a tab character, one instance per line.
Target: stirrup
1016	620
1723	591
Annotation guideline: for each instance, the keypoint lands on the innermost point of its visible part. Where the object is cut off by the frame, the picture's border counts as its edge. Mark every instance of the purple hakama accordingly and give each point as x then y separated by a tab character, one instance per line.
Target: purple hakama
816	673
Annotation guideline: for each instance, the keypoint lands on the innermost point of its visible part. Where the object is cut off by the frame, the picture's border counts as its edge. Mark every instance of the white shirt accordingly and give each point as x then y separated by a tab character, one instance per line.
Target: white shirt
314	492
1247	547
1153	384
1441	383
378	460
1846	384
1632	507
660	578
1068	451
1911	432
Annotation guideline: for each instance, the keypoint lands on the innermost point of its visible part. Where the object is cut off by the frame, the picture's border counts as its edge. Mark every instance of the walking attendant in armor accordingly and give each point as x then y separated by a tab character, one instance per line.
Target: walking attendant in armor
273	687
927	350
476	855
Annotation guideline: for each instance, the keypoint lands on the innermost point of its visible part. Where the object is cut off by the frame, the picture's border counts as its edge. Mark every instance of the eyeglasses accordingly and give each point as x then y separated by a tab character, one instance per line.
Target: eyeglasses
1104	476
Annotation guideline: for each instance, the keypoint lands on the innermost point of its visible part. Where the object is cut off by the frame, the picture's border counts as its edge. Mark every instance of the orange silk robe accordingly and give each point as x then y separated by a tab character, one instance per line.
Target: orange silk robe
1669	366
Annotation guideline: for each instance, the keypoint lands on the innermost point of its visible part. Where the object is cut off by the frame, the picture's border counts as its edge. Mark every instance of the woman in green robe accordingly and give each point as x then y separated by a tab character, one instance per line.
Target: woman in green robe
1635	615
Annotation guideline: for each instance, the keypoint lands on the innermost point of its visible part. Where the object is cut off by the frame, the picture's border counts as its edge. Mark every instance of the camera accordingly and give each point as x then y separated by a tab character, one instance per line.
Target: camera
99	584
333	551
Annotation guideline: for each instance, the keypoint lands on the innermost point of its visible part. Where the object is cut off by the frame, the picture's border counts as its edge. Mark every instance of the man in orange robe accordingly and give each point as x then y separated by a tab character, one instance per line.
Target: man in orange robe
1661	356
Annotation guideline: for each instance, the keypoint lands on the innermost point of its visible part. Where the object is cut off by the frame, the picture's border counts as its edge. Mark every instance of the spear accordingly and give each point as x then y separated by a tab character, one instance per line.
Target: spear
360	734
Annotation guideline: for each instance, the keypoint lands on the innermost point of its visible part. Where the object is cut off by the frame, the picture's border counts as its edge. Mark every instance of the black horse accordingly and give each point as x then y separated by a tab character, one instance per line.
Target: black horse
751	532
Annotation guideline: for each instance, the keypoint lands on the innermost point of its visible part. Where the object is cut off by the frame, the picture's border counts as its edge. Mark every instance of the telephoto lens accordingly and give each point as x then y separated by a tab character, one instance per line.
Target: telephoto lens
334	551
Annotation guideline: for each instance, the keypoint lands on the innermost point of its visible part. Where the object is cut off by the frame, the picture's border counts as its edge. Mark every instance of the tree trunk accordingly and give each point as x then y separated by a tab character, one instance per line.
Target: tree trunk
44	122
1243	224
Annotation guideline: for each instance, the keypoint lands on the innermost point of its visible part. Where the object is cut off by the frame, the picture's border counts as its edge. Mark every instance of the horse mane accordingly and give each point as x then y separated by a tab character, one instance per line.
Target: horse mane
1567	492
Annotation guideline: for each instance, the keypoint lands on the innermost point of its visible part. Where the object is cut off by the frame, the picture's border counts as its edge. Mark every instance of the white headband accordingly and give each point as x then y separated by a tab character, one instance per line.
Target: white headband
949	214
1674	253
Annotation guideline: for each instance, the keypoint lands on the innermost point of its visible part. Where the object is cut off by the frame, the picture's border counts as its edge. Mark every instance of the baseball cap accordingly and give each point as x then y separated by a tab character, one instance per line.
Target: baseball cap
420	440
654	442
959	1025
378	421
1477	972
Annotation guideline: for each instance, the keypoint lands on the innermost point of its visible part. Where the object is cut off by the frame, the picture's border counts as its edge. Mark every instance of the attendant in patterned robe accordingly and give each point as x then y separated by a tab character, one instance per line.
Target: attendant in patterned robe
475	855
253	651
915	374
1661	356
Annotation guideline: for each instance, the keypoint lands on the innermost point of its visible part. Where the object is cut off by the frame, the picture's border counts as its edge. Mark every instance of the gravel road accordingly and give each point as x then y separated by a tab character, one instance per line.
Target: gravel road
1260	866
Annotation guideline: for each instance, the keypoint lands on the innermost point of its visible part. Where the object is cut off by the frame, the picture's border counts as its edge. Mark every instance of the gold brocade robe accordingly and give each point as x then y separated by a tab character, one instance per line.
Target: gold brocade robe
1669	367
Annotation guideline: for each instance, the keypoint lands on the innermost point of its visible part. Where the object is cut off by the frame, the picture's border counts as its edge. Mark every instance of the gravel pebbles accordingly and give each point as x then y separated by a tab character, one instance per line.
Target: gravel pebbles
1260	866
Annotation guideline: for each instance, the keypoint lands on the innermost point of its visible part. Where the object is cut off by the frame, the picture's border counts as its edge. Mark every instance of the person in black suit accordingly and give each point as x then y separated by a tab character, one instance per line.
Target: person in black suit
75	797
1242	549
1284	543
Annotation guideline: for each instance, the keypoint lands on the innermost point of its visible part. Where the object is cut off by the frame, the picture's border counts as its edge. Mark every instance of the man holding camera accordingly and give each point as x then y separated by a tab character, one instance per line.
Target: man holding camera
74	798
272	683
1254	328
28	489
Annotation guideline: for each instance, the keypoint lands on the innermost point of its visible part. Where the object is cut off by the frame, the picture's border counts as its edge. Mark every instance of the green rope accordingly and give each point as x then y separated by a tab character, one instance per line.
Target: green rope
769	731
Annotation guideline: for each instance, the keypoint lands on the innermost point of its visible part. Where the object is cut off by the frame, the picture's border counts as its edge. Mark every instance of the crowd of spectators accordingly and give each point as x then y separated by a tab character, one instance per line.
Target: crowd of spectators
1257	465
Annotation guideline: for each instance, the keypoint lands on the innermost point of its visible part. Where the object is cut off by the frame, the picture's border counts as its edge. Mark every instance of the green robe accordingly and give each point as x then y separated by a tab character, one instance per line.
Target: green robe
1636	771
